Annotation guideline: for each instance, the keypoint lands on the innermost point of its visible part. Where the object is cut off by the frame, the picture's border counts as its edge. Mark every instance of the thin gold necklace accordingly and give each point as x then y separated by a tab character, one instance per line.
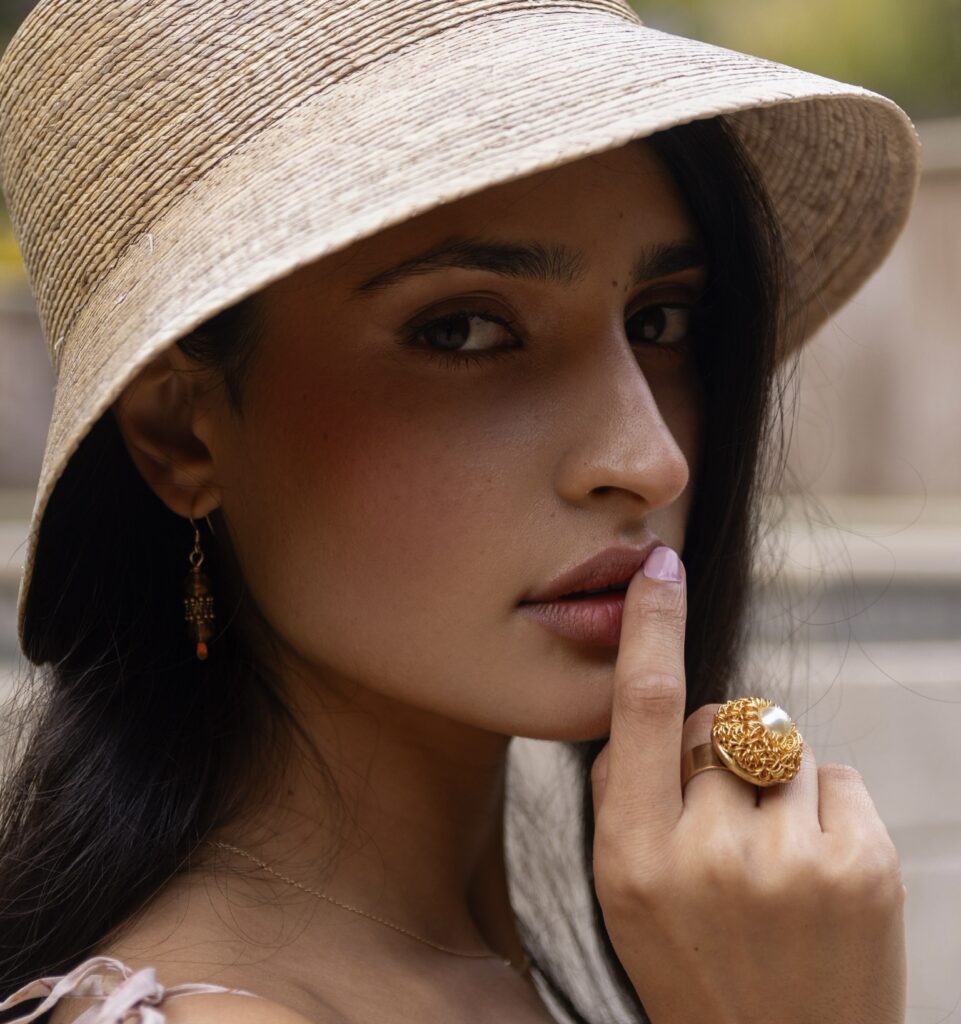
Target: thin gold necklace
522	968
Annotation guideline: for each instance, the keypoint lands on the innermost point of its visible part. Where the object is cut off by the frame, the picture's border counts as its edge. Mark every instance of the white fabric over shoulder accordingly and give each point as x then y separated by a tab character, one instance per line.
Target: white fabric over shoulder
129	997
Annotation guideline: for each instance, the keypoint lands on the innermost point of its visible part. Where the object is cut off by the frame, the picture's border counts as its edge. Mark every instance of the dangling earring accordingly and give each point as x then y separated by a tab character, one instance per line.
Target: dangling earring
198	601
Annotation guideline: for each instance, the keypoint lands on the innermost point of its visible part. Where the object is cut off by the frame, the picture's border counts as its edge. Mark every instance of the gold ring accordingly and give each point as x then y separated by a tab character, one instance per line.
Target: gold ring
751	737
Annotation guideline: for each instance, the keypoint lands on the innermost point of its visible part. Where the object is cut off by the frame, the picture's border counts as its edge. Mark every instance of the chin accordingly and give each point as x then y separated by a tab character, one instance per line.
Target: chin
568	725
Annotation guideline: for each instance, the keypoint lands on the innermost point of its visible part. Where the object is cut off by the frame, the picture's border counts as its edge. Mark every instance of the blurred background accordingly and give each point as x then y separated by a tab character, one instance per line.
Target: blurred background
858	611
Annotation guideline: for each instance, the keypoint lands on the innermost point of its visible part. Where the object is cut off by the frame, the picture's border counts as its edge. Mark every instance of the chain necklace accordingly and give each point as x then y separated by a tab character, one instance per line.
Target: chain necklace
522	968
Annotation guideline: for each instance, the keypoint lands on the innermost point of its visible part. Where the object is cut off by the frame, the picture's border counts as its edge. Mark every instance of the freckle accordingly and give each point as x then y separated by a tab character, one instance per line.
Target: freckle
613	284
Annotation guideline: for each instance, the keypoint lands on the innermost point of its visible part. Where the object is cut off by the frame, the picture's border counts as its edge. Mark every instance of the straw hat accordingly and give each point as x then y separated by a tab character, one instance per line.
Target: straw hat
162	159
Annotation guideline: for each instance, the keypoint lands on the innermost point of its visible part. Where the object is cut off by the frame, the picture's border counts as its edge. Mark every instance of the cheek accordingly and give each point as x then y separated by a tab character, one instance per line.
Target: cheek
385	523
365	520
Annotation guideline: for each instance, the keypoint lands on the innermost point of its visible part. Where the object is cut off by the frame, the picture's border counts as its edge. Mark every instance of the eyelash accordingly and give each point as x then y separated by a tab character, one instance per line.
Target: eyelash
454	358
463	359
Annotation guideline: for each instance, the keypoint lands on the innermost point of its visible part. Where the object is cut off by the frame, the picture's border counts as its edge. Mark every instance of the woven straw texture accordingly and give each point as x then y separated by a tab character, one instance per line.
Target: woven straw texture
162	159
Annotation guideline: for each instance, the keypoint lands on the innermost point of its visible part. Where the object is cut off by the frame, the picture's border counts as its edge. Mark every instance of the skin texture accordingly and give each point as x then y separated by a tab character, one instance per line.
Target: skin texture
389	511
722	905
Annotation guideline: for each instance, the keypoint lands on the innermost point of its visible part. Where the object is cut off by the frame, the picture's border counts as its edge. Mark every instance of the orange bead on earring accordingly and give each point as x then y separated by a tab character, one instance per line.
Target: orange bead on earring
198	601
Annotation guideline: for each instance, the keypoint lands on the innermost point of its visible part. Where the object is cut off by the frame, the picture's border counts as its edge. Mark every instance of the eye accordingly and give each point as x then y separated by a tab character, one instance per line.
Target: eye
665	326
462	336
466	336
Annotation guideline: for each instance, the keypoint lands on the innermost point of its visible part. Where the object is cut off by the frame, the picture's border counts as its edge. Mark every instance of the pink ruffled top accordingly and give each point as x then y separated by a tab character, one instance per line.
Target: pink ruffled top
127	996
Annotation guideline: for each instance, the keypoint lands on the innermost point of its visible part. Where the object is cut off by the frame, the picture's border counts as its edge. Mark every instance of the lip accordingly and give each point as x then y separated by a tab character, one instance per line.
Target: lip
607	568
594	620
590	620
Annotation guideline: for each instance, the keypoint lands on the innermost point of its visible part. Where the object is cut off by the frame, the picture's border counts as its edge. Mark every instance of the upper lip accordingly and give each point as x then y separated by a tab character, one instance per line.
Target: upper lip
607	568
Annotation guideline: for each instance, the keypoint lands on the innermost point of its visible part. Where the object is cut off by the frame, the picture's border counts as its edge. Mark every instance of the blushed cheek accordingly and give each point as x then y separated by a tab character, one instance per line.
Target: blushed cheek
354	514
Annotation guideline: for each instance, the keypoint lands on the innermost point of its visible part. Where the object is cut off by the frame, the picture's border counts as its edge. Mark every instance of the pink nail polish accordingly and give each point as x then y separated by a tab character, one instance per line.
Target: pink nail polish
663	564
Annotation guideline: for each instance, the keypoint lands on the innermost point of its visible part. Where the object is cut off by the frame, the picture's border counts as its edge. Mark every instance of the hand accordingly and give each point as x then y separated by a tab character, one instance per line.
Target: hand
722	908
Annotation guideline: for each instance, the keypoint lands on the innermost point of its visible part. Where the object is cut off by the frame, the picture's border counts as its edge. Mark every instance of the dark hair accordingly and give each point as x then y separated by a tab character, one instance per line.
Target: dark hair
128	751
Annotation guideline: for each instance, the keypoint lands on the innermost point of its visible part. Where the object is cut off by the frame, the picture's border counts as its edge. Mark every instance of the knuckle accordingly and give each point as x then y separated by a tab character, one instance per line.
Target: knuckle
866	878
881	874
762	877
657	693
622	880
843	774
663	605
668	624
846	786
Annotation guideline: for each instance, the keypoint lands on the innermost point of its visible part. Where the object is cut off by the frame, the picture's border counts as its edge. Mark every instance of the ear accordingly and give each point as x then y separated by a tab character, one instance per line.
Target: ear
158	414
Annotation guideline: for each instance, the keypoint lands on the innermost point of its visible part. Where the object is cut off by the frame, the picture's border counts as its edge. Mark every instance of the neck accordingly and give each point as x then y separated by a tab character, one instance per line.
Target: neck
404	820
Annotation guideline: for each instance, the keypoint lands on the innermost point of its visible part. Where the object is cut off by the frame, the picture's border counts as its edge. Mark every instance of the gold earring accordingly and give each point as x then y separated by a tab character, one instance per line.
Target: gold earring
198	601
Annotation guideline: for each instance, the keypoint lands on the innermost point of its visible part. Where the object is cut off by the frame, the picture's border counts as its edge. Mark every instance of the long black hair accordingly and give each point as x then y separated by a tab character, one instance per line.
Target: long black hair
126	751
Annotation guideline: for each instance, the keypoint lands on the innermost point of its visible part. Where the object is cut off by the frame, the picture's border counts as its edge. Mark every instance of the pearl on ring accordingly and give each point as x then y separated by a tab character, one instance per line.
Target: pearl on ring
776	719
757	741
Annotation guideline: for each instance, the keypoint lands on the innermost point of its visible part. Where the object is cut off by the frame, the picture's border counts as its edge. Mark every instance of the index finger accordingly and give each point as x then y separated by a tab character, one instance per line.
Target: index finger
643	781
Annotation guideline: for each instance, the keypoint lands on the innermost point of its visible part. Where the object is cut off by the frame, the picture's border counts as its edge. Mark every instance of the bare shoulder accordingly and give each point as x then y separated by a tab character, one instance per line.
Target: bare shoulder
215	1008
209	1008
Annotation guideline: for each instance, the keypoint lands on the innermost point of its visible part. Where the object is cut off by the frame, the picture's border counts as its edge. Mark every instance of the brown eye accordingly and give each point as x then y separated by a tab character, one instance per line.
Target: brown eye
665	326
462	337
453	332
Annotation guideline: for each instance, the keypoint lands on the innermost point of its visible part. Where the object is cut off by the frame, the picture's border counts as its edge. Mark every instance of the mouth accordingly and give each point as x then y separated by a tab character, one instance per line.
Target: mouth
607	572
580	595
589	617
586	603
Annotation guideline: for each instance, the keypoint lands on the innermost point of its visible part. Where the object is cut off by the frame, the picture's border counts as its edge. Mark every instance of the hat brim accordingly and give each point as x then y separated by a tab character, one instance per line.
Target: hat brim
456	113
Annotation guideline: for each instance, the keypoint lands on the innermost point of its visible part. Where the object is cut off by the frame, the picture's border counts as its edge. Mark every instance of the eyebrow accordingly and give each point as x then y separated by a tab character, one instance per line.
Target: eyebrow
531	261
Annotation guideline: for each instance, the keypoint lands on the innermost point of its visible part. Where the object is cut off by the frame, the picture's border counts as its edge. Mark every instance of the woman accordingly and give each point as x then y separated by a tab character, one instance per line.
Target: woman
389	337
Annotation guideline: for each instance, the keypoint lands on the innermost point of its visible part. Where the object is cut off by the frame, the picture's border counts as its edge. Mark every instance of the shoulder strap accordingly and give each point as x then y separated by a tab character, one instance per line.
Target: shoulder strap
133	990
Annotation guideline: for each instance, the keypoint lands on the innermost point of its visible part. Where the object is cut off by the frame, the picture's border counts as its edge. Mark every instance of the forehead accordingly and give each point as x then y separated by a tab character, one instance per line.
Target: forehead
577	210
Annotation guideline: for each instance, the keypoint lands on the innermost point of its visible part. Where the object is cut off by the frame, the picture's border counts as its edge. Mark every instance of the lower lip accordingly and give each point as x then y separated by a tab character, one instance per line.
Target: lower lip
592	620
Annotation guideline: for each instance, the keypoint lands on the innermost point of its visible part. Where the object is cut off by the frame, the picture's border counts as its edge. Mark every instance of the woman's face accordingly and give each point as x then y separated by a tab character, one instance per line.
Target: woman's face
423	445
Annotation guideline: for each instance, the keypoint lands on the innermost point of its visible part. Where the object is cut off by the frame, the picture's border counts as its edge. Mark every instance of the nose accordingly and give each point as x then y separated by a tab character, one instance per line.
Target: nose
631	433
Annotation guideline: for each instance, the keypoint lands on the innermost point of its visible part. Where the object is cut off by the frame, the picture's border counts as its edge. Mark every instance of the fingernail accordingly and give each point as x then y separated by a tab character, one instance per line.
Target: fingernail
663	564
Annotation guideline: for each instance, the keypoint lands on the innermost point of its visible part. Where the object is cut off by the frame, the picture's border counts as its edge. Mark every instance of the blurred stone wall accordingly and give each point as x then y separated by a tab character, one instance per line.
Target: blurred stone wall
26	391
879	410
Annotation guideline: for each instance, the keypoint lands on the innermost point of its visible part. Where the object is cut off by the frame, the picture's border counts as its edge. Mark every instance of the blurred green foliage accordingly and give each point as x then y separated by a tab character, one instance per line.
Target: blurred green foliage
908	51
12	12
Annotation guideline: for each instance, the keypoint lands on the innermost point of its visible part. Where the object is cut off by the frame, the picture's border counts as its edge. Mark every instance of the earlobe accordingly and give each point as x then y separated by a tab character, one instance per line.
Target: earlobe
157	414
